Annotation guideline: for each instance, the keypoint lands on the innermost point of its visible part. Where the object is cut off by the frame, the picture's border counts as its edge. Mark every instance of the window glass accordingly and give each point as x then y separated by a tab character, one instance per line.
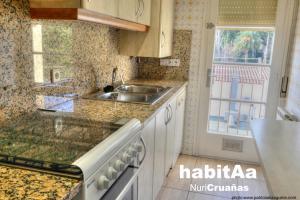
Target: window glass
243	46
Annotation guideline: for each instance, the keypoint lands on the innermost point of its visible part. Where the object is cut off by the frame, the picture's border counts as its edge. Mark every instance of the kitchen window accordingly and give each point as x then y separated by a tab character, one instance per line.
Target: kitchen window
52	53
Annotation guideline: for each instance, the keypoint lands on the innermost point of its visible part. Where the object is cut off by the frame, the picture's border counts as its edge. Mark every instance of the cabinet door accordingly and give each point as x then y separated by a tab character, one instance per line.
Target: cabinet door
166	27
127	9
144	11
145	178
180	109
170	143
108	7
159	155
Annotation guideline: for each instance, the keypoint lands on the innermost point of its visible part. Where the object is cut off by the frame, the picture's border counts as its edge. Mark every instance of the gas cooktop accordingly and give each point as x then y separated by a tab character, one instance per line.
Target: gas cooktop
51	142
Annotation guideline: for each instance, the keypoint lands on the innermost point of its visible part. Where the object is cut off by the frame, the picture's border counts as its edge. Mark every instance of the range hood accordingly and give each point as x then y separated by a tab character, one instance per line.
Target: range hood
84	10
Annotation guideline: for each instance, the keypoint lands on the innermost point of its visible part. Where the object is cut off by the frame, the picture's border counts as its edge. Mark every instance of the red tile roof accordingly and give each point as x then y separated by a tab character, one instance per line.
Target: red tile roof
247	74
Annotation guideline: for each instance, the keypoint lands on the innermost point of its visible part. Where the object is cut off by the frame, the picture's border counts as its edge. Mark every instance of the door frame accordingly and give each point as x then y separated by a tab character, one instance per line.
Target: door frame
210	145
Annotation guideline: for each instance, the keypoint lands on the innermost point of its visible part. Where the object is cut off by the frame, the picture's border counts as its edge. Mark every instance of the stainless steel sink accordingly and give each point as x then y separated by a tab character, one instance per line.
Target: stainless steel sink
142	94
145	89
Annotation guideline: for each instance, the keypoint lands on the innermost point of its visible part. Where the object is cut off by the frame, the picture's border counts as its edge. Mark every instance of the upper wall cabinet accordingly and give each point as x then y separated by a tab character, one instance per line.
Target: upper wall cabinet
135	10
108	7
157	42
125	14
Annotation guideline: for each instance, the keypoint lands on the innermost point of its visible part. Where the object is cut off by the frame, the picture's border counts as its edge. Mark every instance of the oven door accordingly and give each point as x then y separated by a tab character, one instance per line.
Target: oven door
126	187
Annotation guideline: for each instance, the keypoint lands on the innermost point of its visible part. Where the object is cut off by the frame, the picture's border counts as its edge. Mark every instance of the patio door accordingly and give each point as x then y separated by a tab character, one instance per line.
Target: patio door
242	78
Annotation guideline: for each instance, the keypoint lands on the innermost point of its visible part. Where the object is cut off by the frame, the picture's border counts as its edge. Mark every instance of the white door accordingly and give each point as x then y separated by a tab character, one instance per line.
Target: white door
240	65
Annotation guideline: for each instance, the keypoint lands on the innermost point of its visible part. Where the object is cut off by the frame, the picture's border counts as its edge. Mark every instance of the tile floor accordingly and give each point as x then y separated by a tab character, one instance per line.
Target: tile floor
179	189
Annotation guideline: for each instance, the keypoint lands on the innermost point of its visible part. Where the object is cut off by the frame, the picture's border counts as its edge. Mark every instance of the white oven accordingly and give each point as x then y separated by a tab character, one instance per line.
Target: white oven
110	170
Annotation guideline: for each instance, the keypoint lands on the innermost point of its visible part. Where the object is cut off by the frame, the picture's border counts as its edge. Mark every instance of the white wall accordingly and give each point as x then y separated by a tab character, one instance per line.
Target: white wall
293	100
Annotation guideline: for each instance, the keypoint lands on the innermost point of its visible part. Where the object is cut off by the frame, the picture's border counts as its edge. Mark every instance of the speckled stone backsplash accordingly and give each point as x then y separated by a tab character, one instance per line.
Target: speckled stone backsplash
83	53
150	67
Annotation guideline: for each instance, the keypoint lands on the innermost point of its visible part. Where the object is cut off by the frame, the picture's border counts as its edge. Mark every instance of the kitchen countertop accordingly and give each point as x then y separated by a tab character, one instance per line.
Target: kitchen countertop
109	111
278	145
18	184
36	185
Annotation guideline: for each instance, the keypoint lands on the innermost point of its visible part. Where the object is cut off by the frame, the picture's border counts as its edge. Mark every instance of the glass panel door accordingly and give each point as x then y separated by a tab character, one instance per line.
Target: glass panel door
239	79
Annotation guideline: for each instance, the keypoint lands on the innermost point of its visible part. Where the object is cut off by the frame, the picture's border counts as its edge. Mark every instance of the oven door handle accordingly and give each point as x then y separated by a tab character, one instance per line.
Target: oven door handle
129	184
145	150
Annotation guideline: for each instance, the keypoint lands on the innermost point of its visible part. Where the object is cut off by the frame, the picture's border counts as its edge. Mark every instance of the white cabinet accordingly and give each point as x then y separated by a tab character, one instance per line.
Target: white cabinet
134	15
159	155
127	10
163	139
108	7
135	10
145	178
166	28
170	141
144	12
157	41
179	115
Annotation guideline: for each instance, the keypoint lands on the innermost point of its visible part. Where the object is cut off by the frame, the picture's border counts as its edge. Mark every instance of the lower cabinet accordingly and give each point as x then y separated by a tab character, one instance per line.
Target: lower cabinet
170	141
159	155
179	115
145	178
163	138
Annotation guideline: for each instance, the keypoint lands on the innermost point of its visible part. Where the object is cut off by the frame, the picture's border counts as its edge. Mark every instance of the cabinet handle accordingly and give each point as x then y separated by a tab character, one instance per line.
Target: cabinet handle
171	113
145	150
163	39
166	115
143	7
137	11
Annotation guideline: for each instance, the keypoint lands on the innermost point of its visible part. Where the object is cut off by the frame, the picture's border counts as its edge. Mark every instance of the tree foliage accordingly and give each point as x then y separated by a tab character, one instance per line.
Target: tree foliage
244	45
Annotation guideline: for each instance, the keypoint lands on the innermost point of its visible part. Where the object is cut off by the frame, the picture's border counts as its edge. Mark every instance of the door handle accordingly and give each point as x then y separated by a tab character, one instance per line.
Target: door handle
208	78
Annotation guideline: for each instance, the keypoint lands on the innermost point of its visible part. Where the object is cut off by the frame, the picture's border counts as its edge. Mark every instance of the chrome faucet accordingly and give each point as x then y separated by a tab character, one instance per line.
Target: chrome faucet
114	75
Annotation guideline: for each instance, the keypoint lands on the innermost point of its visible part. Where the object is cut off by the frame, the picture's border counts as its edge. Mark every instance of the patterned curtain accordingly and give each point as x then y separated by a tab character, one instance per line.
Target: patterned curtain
247	12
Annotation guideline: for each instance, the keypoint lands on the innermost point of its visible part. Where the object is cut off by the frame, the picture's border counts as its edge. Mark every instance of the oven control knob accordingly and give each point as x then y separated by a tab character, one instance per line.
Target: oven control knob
126	157
111	173
119	165
103	183
138	147
132	151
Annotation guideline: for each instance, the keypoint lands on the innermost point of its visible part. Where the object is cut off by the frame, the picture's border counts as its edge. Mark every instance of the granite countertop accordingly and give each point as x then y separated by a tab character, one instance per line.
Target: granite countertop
24	184
37	185
278	145
109	111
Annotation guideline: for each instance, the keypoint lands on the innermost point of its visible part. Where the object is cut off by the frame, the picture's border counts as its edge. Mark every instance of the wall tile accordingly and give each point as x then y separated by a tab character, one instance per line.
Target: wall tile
93	51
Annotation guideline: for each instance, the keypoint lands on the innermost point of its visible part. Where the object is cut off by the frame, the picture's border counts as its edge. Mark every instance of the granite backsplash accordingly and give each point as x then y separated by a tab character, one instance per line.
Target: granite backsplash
85	53
150	67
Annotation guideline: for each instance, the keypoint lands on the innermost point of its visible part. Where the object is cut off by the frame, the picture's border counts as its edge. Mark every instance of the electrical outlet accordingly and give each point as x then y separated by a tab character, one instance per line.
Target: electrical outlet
170	62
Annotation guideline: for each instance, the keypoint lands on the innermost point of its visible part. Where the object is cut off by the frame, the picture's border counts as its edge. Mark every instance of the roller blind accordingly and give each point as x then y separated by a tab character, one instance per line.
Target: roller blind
247	12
